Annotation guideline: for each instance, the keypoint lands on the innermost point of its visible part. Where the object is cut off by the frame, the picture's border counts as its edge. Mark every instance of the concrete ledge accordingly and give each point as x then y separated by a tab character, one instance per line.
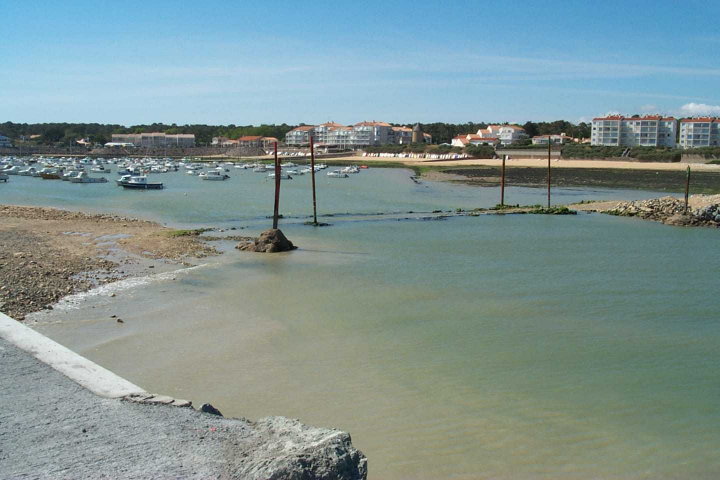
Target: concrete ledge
90	375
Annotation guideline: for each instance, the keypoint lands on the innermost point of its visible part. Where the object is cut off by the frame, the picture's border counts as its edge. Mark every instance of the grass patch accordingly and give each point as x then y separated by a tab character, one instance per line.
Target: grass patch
561	210
186	233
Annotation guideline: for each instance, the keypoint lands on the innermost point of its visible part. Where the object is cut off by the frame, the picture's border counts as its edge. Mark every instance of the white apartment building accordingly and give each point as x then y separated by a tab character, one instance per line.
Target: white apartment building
699	132
647	131
361	134
300	136
155	139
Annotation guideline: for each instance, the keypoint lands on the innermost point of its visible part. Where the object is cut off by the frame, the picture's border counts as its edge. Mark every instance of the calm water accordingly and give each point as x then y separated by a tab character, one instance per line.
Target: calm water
475	347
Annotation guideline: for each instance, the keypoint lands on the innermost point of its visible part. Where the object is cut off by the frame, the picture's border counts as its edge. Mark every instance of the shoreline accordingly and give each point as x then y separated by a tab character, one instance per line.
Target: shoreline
50	253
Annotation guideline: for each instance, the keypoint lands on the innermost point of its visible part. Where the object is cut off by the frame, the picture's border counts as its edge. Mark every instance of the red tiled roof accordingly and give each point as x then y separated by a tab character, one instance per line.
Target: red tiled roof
303	128
249	138
372	124
700	119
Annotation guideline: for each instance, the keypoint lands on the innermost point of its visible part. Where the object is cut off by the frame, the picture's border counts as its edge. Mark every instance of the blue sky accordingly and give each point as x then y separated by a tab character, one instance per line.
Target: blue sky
240	62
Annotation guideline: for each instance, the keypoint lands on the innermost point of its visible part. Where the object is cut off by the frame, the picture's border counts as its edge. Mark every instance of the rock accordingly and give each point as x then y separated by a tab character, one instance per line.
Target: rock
120	320
679	219
292	450
207	408
269	241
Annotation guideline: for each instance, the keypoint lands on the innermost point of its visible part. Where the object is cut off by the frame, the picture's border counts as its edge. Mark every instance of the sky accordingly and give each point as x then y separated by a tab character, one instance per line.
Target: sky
240	62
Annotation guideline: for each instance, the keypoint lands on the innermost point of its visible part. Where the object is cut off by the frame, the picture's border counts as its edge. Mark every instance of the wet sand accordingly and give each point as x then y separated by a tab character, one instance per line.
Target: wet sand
48	253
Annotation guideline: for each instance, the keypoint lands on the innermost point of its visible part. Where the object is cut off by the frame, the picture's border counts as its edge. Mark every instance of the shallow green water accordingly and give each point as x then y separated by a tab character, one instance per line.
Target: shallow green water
476	347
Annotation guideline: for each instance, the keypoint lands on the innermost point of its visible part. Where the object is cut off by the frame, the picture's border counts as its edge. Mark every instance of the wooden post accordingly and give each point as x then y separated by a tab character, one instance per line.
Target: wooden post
548	174
312	172
687	189
277	190
502	181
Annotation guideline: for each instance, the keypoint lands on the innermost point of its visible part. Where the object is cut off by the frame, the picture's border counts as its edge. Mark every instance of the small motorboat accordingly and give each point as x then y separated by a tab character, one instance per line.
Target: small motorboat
283	176
3	177
100	169
139	183
50	174
213	175
337	174
83	177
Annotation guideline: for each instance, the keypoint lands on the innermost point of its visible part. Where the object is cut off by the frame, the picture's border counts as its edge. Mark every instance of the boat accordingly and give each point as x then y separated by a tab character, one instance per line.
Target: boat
100	169
139	182
283	176
213	175
83	177
70	174
3	177
337	174
50	174
351	169
14	170
261	168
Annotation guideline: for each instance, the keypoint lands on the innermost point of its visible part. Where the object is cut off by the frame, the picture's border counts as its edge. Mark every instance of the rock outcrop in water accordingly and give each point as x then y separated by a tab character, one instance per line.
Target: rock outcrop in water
671	211
269	241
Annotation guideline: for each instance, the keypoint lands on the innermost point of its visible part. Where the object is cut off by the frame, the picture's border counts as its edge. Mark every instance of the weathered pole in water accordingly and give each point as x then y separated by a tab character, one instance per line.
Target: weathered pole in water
312	172
502	182
277	190
549	175
687	188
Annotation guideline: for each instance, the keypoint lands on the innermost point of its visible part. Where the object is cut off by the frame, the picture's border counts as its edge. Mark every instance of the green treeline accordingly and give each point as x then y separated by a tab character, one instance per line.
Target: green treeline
68	133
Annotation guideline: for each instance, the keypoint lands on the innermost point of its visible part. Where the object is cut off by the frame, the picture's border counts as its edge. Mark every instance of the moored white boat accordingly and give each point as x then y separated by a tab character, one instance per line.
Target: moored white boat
213	175
337	174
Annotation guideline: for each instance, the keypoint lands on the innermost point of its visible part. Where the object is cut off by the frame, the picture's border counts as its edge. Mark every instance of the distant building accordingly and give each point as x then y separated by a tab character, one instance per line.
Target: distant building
507	134
554	139
224	142
474	139
647	131
5	141
154	139
360	135
250	141
268	142
300	136
699	132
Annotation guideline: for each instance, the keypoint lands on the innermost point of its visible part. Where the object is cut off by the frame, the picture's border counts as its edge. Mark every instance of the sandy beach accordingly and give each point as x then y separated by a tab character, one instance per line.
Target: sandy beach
49	253
531	162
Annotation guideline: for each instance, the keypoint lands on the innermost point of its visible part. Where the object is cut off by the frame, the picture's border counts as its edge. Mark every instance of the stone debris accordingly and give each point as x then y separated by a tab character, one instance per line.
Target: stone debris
150	399
269	241
671	211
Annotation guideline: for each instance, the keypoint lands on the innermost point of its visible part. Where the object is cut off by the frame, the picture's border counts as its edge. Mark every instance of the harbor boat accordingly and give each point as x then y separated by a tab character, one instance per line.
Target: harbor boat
83	177
50	174
261	168
14	170
213	175
70	174
288	165
351	169
140	183
28	172
100	169
283	176
337	174
3	177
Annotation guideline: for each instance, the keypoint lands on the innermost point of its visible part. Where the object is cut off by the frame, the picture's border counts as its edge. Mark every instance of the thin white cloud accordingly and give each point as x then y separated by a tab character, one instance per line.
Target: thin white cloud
693	109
